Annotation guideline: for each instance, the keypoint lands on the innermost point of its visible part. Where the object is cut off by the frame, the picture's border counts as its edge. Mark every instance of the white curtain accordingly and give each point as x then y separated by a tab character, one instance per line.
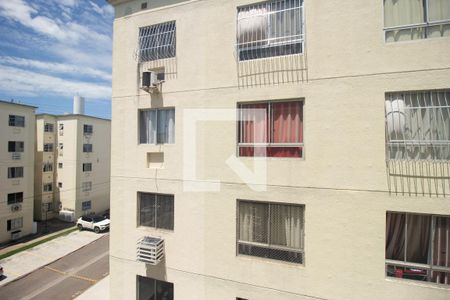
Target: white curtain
439	10
253	222
147	127
166	126
403	12
286	226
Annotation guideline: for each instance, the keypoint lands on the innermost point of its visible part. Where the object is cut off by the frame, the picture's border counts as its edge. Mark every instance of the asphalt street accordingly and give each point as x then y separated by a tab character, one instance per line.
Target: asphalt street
65	278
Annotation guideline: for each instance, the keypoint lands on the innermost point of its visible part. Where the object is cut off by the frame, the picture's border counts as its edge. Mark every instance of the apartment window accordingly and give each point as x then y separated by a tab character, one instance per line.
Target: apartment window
269	230
48	167
87	147
418	247
47	207
48	127
14	224
149	288
61	146
16	121
60	165
85	205
61	129
270	28
60	185
157	41
406	20
86	186
14	146
48	147
156	210
88	129
87	167
14	198
48	187
418	125
271	129
157	126
15	172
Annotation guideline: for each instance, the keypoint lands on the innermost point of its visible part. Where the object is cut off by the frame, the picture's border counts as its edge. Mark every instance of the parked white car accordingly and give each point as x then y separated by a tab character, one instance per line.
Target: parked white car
95	223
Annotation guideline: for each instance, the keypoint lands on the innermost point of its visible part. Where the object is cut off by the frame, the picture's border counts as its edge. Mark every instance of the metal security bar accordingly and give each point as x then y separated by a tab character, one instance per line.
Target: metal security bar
157	42
269	29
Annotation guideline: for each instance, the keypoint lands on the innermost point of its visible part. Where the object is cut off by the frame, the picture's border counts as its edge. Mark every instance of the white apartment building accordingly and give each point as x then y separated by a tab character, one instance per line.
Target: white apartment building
72	166
280	149
16	170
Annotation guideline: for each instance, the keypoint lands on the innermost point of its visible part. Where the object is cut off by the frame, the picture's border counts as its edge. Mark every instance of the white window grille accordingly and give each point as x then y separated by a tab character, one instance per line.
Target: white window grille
271	230
150	250
418	125
271	28
157	42
16	156
416	19
86	186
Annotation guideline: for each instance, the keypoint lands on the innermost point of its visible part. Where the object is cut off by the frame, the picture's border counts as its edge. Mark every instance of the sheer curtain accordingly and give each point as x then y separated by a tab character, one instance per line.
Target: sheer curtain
287	128
253	222
147	127
286	226
254	126
403	12
166	126
439	10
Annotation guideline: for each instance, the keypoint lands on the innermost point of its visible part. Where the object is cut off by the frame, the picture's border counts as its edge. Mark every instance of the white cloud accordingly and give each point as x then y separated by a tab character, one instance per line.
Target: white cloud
16	81
74	70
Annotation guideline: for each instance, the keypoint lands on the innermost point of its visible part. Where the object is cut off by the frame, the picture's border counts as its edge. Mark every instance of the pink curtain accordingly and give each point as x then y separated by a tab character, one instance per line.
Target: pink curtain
254	128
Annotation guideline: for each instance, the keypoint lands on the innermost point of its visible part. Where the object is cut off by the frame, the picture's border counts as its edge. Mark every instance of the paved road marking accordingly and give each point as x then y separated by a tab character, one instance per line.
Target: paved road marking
93	281
67	275
55	270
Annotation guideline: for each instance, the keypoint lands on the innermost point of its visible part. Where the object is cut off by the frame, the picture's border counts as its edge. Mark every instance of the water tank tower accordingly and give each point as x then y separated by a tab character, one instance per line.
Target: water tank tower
78	105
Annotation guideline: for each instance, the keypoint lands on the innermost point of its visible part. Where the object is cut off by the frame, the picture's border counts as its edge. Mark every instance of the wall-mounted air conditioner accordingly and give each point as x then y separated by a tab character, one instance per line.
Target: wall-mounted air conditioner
151	81
16	155
15	235
16	207
150	250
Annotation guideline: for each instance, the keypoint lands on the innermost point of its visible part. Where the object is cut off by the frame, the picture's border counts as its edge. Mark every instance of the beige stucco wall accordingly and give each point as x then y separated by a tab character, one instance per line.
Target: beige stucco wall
341	180
14	185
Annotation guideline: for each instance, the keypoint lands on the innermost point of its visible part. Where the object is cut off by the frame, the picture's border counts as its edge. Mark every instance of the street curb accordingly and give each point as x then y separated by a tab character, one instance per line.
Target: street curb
43	266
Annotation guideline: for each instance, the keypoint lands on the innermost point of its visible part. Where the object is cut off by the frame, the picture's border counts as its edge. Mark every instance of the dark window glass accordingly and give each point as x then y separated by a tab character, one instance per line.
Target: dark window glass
156	210
87	147
16	121
152	289
15	198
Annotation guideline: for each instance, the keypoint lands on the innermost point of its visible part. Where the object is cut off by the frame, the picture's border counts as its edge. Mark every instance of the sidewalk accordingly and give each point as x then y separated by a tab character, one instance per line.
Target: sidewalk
98	291
25	262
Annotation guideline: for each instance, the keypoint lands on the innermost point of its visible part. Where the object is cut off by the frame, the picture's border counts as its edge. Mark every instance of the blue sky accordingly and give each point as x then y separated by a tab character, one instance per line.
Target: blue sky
51	50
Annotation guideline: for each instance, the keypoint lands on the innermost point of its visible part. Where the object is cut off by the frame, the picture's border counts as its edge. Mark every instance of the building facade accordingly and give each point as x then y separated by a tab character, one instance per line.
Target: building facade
235	136
72	166
16	170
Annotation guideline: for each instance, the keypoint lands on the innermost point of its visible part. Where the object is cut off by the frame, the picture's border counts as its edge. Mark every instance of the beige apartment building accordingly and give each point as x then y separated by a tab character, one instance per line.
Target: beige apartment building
72	166
281	149
16	170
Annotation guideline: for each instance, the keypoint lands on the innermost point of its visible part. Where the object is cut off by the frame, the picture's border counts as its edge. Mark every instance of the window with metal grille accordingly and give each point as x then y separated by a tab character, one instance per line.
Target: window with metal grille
157	41
271	230
14	224
14	146
15	172
270	28
16	121
87	167
88	129
418	125
418	247
60	165
47	167
156	210
85	205
14	198
48	147
406	20
48	127
271	129
87	147
157	126
86	186
149	288
48	187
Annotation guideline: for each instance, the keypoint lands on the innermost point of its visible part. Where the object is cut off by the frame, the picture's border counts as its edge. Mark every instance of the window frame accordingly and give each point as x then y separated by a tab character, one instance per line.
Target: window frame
47	187
84	205
47	167
155	213
19	146
268	244
155	283
48	147
157	140
16	121
86	186
14	198
15	172
48	127
85	167
146	38
404	263
17	222
88	129
91	148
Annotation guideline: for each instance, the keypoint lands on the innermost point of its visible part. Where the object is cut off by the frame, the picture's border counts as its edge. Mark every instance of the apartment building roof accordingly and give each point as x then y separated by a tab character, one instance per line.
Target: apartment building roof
15	103
72	116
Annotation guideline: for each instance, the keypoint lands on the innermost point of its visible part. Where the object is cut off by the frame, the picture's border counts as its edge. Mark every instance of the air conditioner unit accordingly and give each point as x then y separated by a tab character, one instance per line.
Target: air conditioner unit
16	155
15	235
150	250
16	207
151	81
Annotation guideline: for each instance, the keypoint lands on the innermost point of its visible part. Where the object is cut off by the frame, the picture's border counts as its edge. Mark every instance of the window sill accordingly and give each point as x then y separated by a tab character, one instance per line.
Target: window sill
249	258
154	230
417	283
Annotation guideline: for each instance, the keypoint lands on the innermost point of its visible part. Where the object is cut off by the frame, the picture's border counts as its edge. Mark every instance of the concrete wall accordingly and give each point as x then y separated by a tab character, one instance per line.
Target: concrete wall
346	70
15	185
